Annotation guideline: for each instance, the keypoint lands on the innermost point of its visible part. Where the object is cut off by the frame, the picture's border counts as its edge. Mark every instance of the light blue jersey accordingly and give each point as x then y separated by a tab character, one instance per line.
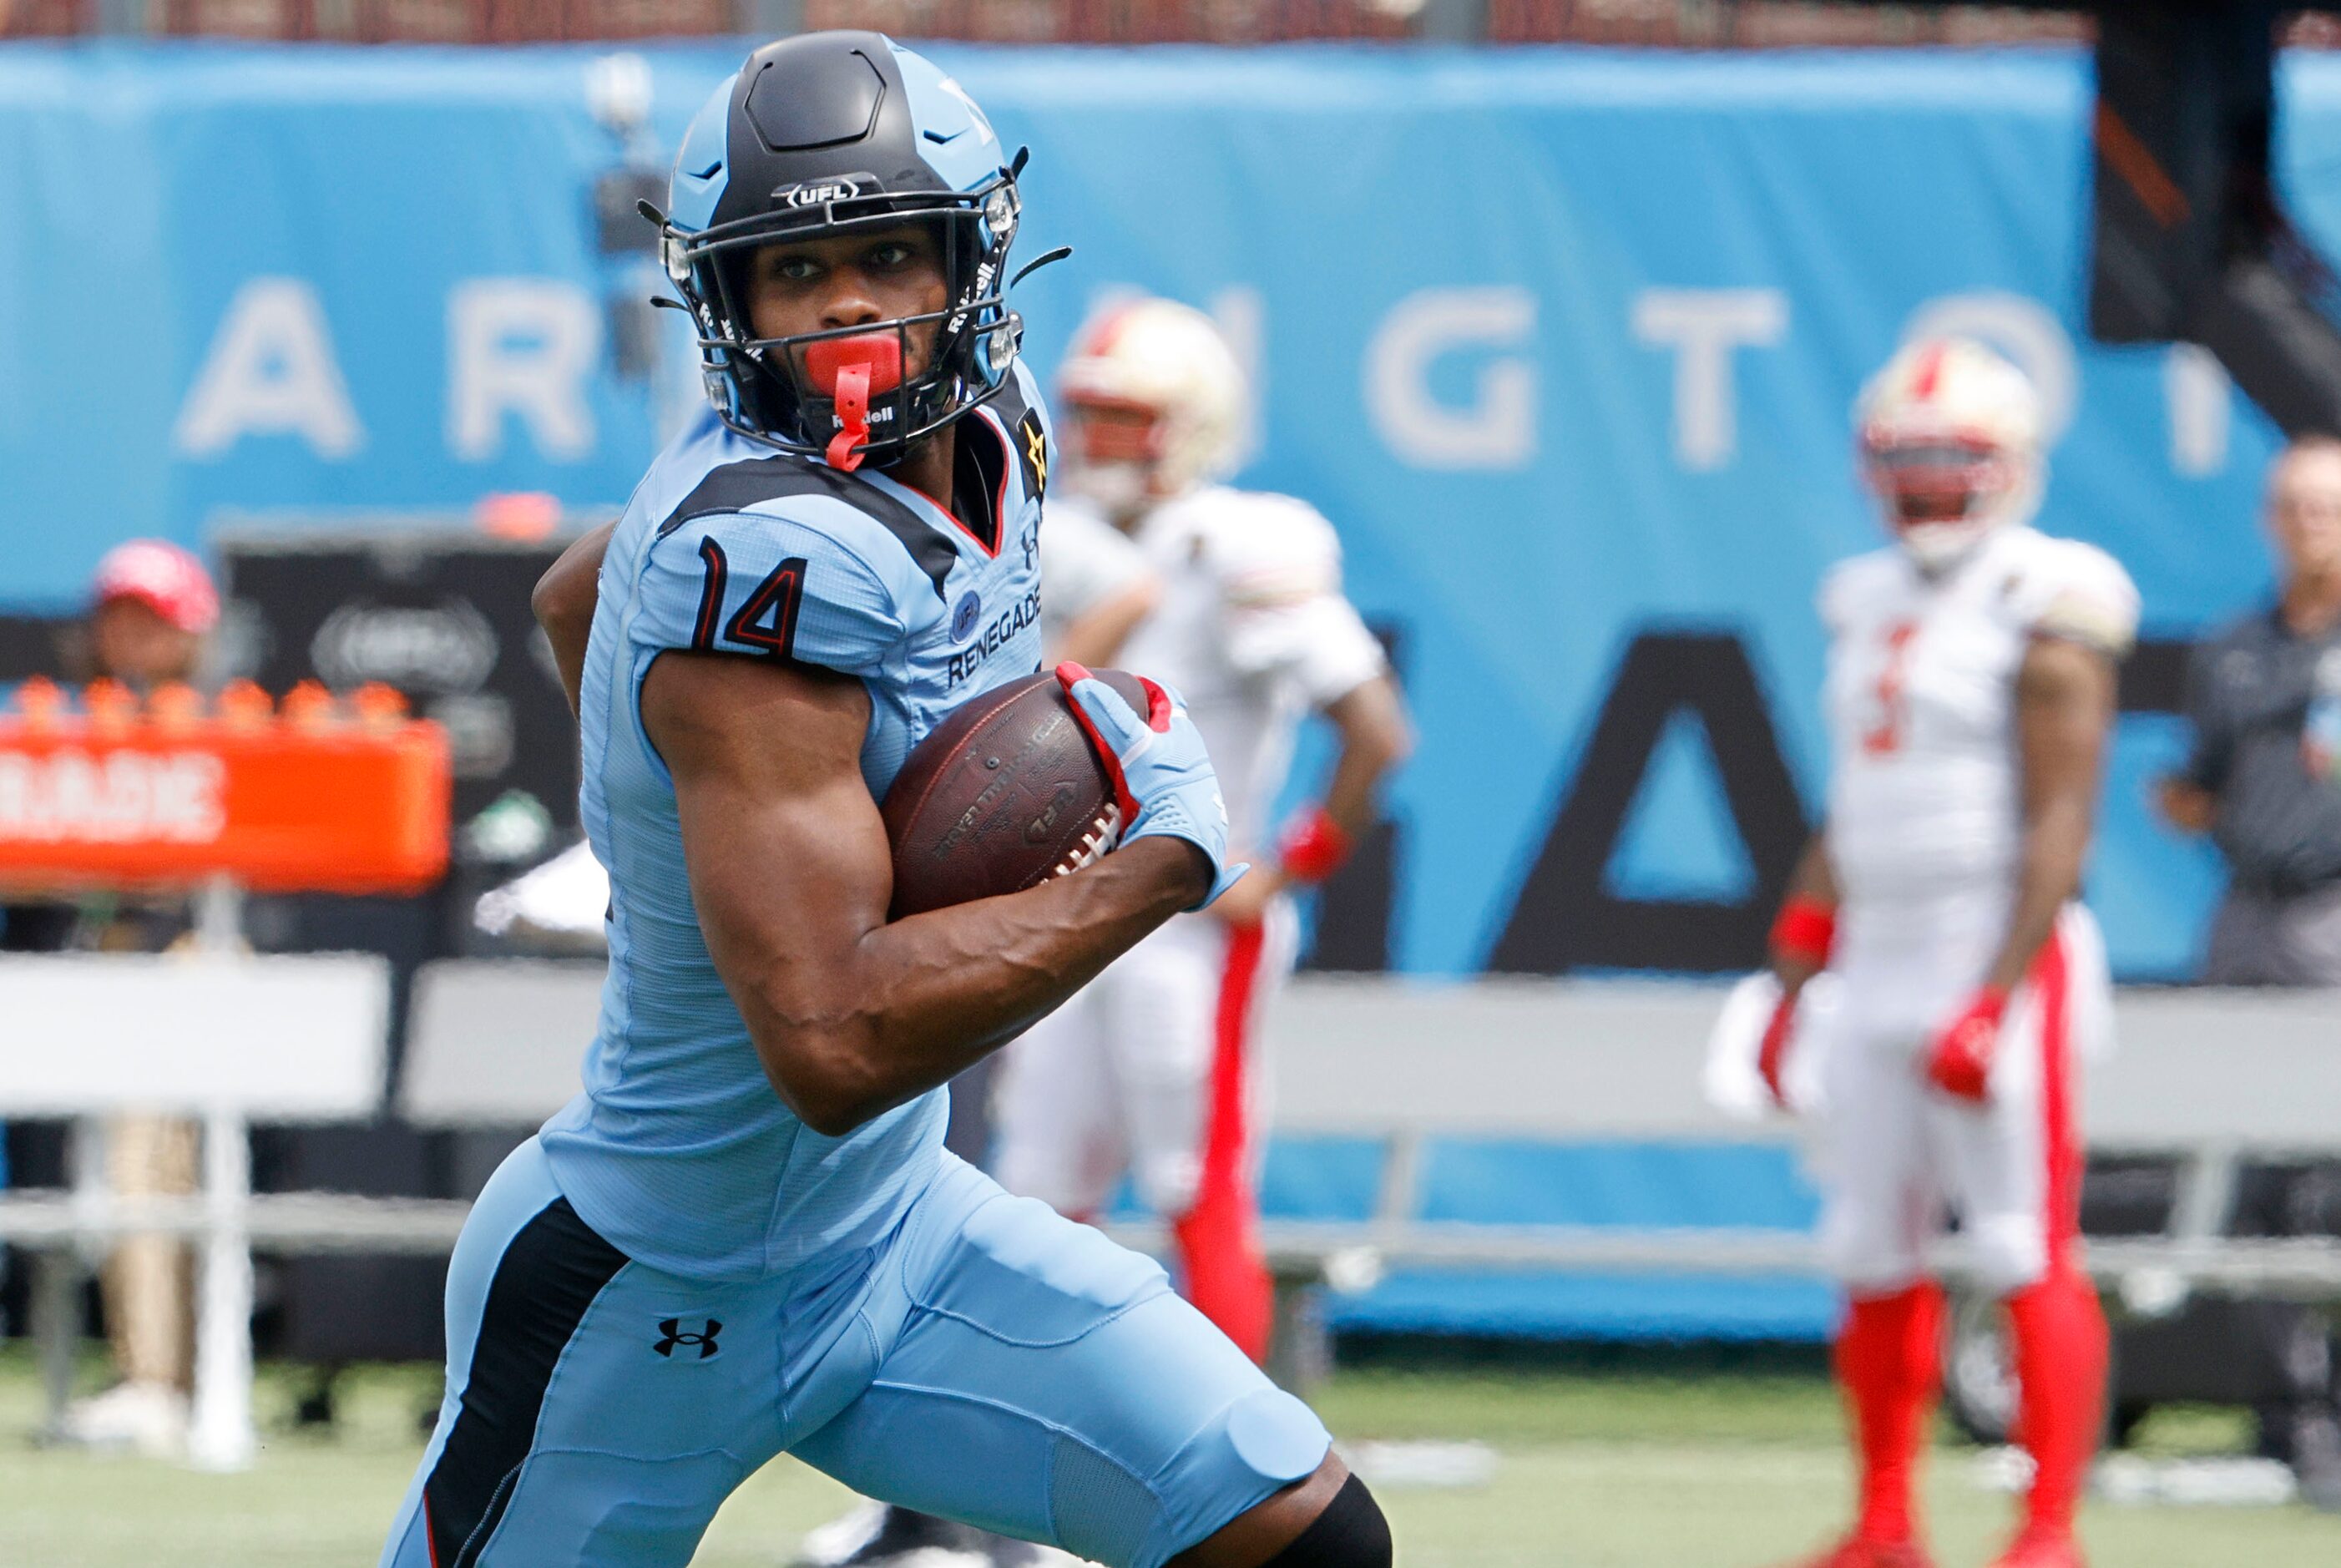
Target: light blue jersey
679	1151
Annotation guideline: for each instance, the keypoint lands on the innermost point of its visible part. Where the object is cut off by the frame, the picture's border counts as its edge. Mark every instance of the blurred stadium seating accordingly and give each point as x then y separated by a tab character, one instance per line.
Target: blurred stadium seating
1698	23
1671	24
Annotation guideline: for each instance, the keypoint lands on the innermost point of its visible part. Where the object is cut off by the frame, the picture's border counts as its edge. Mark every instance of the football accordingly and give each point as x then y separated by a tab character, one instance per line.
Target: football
1006	794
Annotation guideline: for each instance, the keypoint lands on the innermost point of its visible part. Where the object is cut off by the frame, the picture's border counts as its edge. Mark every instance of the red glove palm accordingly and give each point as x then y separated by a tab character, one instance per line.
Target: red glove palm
1960	1064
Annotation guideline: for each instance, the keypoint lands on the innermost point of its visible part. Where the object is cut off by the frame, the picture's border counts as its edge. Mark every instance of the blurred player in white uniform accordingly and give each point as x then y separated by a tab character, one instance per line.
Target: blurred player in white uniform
1234	598
1970	697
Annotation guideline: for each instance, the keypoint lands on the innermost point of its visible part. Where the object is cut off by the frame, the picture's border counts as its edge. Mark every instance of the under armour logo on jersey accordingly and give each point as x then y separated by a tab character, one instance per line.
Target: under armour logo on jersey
672	1329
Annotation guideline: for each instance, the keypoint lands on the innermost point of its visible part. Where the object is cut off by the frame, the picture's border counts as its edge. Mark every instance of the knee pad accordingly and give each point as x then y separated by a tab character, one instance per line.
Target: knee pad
1350	1534
1866	1259
1170	1180
2007	1253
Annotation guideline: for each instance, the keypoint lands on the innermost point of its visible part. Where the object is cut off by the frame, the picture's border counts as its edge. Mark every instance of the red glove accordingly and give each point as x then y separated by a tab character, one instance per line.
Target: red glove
1804	932
1773	1055
1960	1063
1314	846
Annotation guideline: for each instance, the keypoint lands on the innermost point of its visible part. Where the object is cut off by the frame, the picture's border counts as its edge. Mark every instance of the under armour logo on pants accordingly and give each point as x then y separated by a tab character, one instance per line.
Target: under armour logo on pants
672	1329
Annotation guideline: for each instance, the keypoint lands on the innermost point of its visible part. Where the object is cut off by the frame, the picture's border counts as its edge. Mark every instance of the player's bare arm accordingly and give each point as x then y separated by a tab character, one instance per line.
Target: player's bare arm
2064	712
563	603
790	875
1813	885
2064	709
2185	806
1798	950
1373	737
1095	636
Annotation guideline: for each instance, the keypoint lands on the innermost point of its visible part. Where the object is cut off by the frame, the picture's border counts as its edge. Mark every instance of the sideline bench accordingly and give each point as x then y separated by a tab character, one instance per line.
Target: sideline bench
226	1041
2213	1078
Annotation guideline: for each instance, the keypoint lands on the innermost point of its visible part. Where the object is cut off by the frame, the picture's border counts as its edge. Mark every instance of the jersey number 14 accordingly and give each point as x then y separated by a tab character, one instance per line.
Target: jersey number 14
766	623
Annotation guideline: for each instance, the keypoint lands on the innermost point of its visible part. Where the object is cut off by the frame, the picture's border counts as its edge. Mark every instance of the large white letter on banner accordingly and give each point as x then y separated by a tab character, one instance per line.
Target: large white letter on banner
1703	326
270	371
1498	428
524	346
1242	319
2196	386
2021	328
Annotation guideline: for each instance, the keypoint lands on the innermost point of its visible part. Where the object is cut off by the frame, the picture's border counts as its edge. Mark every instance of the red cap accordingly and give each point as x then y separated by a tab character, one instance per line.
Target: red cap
162	576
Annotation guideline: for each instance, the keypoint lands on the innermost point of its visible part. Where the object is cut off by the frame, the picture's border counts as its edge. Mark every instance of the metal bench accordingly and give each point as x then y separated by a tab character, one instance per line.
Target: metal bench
2212	1078
226	1041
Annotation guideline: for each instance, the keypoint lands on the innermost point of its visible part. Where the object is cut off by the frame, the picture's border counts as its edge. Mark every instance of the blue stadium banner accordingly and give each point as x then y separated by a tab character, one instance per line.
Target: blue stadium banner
1563	341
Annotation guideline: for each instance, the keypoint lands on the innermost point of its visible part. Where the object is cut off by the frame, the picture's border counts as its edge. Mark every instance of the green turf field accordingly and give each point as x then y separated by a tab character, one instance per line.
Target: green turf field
1620	1471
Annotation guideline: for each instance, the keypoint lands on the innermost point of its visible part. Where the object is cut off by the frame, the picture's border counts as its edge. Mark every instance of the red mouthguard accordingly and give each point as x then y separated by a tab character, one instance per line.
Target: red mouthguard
848	369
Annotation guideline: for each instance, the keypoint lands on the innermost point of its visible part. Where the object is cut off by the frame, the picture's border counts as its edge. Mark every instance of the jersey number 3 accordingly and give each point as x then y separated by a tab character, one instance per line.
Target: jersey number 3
1885	737
767	623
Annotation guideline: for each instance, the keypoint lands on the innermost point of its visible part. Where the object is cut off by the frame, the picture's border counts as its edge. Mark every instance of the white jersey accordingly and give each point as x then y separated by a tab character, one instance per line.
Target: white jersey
1925	814
1251	628
1084	562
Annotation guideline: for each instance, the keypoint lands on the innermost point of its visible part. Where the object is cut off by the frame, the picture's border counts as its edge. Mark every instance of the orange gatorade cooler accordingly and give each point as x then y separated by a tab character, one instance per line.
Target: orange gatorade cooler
322	795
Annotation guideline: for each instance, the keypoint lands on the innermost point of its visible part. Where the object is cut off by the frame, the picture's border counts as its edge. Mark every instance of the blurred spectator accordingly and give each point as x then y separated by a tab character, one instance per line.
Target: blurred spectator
151	606
2265	697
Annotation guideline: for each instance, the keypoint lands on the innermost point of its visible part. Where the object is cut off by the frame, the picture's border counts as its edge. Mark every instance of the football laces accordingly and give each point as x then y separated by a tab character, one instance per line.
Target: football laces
1098	840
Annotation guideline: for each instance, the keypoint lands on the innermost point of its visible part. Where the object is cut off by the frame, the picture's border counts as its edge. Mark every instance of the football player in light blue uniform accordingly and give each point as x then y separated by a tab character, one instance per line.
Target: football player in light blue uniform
743	1237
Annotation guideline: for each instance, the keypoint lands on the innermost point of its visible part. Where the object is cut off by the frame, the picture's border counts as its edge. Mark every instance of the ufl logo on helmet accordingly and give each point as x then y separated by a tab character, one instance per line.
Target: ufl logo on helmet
815	193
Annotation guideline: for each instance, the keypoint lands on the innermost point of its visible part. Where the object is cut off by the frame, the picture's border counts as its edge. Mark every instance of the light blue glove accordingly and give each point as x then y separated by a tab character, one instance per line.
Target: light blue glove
1162	777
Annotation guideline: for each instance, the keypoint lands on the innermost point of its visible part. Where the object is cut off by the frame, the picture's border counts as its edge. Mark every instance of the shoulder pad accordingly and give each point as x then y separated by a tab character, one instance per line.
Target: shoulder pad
1268	550
2075	590
1844	585
768	484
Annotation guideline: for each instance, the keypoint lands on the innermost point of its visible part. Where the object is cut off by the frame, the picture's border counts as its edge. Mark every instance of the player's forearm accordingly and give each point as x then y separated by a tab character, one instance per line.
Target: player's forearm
564	601
2185	806
1095	638
2048	877
1815	878
918	1000
1375	739
2064	712
1813	884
